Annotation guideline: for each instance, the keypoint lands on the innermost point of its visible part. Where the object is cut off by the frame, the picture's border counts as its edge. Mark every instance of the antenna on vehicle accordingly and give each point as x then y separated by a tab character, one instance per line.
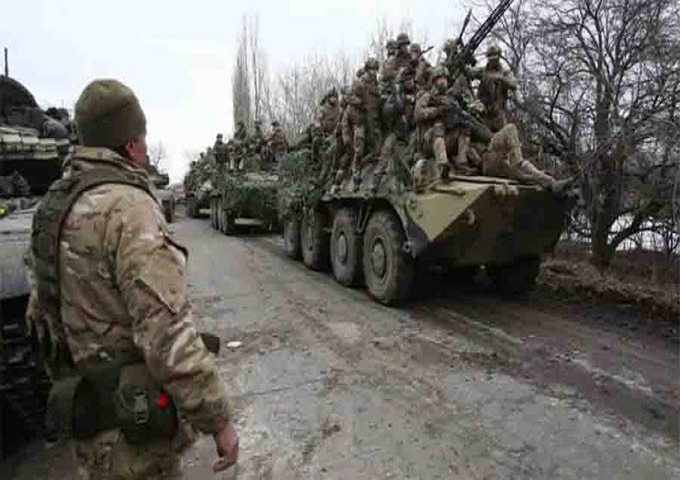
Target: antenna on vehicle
6	64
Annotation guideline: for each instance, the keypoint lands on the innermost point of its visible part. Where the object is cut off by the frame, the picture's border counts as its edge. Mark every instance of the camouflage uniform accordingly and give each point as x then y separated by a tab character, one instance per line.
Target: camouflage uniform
430	115
398	113
221	152
328	115
421	67
240	146
393	65
278	143
494	87
362	118
504	159
123	290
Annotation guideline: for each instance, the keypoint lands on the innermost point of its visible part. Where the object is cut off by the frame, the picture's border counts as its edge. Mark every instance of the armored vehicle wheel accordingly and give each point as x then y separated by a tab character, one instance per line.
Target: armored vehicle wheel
517	277
388	270
346	246
314	241
213	213
291	237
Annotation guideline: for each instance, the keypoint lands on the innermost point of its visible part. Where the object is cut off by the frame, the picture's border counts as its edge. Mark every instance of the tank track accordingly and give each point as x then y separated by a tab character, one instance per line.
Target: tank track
23	383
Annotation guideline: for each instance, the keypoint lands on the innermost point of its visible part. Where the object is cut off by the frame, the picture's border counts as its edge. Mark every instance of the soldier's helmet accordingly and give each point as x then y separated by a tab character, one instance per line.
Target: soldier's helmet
333	92
219	136
402	39
360	72
494	51
415	49
258	123
372	64
439	71
391	44
275	123
451	45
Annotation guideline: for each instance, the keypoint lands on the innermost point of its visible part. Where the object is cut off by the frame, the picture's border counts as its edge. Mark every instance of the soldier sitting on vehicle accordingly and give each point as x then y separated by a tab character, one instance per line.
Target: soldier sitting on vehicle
277	142
431	112
422	68
325	129
221	152
393	65
398	116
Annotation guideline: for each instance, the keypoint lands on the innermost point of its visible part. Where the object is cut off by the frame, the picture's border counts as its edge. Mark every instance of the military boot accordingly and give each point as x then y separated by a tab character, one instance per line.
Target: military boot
441	159
527	172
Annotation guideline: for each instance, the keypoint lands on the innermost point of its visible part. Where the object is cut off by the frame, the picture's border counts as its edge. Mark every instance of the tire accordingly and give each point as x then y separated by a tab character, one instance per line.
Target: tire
213	213
225	219
314	241
291	238
346	248
169	211
516	278
389	272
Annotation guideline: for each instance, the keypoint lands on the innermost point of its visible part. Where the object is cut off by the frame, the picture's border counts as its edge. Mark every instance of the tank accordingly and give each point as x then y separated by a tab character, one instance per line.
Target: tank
379	239
33	144
245	196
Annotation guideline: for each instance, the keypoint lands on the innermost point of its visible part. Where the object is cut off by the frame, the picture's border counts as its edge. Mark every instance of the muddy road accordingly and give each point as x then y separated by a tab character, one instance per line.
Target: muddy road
460	384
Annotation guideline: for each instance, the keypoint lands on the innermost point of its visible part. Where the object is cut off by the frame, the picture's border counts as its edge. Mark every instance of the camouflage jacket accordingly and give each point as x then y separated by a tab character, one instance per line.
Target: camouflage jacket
327	118
123	289
398	112
277	141
390	69
430	107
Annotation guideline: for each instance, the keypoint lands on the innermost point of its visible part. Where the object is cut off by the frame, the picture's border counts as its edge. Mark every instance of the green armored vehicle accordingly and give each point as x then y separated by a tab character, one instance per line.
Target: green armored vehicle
378	237
240	195
165	196
33	144
198	183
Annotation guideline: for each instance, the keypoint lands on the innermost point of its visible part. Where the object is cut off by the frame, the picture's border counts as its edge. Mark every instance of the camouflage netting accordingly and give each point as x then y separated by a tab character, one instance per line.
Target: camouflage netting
252	194
298	187
201	171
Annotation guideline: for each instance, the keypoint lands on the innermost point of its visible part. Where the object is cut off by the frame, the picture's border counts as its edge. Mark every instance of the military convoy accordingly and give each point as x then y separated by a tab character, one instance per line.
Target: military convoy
378	238
33	144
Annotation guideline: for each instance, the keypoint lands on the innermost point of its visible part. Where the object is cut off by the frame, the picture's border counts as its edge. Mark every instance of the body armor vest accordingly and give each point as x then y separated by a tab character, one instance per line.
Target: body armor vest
45	248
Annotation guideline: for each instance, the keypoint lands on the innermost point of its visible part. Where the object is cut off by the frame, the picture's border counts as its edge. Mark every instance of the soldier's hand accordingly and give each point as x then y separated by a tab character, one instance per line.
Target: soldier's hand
226	443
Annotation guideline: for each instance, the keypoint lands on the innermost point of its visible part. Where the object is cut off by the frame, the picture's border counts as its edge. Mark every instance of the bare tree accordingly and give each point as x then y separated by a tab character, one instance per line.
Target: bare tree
599	95
241	97
157	153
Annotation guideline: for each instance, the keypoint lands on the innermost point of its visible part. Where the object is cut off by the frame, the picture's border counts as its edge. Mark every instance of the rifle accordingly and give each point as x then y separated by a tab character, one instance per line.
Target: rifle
466	55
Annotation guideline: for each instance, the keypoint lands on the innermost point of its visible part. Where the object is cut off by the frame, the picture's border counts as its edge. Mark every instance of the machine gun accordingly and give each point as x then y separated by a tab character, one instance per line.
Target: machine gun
457	117
466	54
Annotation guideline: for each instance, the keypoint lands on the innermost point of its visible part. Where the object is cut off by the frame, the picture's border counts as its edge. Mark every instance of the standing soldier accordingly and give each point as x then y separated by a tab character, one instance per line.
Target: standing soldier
422	68
495	85
399	119
391	48
240	145
328	114
221	152
109	300
278	143
394	64
430	115
363	118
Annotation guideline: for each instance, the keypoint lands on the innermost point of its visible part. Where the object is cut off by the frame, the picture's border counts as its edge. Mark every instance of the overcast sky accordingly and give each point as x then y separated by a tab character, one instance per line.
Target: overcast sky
178	56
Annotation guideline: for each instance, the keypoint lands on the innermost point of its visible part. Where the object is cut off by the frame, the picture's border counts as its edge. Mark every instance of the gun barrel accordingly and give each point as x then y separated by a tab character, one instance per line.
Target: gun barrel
485	28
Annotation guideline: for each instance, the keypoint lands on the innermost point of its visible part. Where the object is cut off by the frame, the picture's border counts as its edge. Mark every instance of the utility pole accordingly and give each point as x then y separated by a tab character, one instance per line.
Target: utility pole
6	64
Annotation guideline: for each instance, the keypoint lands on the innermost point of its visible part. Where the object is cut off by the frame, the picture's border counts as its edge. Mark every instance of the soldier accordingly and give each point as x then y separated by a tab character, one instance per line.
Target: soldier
221	152
430	115
504	158
108	292
391	48
240	145
363	118
398	114
422	68
393	65
328	114
278	143
495	85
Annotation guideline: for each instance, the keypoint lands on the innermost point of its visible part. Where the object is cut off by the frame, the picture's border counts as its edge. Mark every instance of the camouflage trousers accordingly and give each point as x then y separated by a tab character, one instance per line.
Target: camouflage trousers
504	159
442	144
108	456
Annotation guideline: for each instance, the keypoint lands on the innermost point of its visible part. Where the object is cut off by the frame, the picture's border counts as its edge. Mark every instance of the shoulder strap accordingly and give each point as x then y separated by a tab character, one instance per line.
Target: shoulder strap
45	247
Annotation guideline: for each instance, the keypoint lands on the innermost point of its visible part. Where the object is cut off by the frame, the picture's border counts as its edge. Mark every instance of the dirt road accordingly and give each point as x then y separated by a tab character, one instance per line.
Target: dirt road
461	384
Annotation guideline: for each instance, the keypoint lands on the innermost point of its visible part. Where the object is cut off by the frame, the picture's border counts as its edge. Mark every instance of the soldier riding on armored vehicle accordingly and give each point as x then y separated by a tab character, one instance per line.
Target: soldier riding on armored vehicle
246	181
439	183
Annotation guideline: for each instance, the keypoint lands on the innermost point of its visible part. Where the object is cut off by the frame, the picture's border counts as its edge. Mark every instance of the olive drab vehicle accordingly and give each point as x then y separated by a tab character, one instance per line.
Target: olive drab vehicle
377	237
167	198
33	144
198	183
245	190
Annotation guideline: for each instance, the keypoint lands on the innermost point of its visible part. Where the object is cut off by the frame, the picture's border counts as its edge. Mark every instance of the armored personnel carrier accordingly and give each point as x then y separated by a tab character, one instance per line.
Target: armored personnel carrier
198	183
376	238
32	147
244	195
166	196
